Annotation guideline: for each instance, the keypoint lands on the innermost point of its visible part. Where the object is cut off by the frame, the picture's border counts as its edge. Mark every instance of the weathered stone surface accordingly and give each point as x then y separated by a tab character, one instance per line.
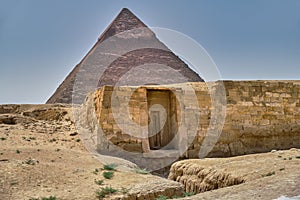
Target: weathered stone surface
152	189
12	119
152	67
260	116
22	113
258	176
198	177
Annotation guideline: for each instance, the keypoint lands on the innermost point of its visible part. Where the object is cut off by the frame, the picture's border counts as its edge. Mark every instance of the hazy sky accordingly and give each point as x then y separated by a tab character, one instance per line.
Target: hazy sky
42	40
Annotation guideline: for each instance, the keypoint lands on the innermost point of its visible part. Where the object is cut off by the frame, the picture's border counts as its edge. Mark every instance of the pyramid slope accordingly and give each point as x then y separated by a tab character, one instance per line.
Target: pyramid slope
110	74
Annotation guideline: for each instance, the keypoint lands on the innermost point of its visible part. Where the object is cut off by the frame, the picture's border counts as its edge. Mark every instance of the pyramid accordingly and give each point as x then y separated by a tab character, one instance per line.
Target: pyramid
126	53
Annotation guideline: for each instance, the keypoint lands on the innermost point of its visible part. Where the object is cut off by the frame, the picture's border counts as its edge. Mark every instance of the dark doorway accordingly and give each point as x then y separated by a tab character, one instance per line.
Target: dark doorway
162	119
154	130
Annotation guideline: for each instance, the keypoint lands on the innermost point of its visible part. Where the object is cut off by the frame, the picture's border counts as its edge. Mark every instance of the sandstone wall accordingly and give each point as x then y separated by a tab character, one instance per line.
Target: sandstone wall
260	116
130	106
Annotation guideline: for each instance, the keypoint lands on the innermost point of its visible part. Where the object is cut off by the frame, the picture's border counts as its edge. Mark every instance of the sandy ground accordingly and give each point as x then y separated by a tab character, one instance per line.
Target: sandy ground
41	155
43	158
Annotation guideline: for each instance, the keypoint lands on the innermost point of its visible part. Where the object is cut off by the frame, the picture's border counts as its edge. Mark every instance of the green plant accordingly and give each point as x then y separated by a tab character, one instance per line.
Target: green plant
298	157
109	190
78	140
281	169
2	138
96	171
18	151
30	162
108	175
49	198
188	194
141	171
100	194
45	198
110	167
161	197
99	182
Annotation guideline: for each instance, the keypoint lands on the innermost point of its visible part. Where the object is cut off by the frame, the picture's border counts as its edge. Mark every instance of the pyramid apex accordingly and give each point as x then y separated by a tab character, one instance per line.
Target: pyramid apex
126	13
124	21
125	10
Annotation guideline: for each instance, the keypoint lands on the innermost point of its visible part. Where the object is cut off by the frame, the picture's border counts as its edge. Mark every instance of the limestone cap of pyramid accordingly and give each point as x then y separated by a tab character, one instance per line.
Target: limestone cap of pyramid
124	21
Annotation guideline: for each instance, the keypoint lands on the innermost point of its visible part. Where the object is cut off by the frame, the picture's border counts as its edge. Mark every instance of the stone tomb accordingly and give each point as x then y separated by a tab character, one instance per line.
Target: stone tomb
260	116
140	119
